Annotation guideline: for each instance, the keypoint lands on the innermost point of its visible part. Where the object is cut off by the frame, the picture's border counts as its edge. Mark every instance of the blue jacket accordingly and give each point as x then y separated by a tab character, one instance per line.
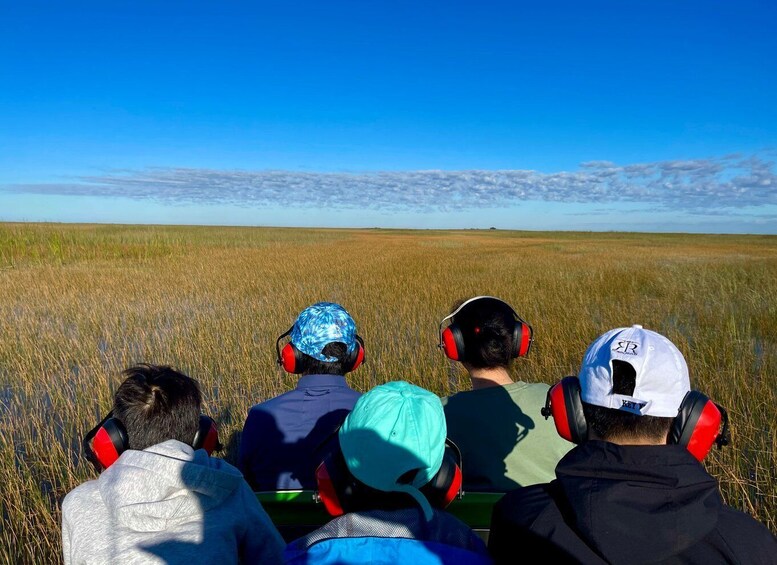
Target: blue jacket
286	437
388	537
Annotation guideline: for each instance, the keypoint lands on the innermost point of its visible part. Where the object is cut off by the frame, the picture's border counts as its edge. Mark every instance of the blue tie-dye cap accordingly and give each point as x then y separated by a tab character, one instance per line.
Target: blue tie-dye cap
321	324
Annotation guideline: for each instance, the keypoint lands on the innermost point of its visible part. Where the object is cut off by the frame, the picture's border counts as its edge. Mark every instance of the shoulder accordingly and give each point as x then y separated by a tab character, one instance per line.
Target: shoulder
523	505
254	511
83	492
220	465
269	408
528	517
382	549
523	390
345	391
268	404
532	494
387	530
446	522
742	530
487	395
455	399
81	502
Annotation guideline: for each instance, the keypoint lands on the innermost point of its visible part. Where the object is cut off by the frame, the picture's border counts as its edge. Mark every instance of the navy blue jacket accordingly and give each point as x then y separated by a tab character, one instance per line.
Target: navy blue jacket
627	504
286	437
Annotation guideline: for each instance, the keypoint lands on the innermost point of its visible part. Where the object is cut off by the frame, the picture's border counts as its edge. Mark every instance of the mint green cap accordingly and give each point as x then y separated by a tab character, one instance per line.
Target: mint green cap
393	429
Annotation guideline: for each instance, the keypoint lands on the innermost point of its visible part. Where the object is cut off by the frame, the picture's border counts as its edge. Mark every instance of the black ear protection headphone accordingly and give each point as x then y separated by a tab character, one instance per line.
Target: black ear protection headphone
341	492
452	339
104	443
294	361
699	422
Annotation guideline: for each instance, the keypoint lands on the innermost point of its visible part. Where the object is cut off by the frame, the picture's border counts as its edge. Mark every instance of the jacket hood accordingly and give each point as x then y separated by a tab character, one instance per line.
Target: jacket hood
163	484
662	489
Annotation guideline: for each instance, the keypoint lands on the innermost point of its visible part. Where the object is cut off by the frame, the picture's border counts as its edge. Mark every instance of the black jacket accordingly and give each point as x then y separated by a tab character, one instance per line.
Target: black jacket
626	504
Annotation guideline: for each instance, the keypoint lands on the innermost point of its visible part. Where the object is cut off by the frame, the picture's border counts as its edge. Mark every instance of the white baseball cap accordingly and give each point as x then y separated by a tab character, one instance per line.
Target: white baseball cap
662	374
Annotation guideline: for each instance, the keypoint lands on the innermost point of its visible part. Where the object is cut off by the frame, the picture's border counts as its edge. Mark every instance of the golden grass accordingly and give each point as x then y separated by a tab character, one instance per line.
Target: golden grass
80	303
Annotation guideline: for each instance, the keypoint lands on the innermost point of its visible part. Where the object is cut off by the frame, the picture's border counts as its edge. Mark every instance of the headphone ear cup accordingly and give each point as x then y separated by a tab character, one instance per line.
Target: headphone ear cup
453	343
355	358
446	483
329	479
109	442
566	407
522	339
697	424
292	360
341	492
207	436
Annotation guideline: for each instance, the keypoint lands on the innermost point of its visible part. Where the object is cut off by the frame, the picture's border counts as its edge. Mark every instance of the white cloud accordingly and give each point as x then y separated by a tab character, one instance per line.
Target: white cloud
698	185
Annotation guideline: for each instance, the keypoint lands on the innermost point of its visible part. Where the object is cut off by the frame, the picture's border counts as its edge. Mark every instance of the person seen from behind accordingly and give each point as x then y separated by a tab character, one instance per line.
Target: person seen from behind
503	440
634	490
387	482
283	437
160	497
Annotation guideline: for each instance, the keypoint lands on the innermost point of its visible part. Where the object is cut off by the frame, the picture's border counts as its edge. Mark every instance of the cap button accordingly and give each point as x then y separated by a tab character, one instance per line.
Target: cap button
638	326
406	393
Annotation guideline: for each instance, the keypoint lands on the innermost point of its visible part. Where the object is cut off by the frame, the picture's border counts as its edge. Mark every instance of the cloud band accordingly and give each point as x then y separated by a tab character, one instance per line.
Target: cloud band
732	181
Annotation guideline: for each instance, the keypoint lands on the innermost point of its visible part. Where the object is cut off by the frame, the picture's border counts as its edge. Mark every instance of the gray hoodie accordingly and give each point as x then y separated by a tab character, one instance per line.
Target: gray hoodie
168	504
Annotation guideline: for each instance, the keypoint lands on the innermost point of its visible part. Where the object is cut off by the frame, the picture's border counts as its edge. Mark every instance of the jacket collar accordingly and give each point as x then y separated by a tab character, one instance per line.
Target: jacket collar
311	381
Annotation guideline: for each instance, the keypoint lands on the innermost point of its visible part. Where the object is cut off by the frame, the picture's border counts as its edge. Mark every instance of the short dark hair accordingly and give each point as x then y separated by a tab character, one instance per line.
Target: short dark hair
610	424
486	326
156	403
336	349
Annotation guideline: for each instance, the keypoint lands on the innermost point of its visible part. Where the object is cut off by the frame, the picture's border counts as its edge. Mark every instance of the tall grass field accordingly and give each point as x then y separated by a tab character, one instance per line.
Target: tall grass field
80	303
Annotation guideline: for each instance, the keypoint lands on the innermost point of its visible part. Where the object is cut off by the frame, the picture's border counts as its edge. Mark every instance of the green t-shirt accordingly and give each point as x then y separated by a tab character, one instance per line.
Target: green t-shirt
504	440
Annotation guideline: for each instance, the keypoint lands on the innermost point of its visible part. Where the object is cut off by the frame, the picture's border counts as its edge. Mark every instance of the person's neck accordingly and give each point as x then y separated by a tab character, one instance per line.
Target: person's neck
489	377
628	439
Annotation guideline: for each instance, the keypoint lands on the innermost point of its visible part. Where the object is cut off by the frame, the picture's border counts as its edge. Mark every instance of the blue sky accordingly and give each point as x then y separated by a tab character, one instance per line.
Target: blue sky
646	116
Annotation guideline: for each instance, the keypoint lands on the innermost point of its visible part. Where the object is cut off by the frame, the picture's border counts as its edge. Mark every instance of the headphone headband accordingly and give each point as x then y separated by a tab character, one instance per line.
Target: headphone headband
294	361
455	448
473	299
699	423
104	443
522	333
277	344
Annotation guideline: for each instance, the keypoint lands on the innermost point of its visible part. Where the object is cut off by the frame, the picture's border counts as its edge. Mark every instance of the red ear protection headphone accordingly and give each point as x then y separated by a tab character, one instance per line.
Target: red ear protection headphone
699	422
294	361
341	492
452	339
104	443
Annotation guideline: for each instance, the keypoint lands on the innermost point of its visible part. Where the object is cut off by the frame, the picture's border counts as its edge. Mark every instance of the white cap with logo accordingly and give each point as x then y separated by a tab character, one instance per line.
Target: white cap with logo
662	374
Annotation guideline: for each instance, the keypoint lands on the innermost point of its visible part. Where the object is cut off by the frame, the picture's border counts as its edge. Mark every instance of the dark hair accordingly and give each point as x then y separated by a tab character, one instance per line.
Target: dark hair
335	349
486	326
609	423
156	403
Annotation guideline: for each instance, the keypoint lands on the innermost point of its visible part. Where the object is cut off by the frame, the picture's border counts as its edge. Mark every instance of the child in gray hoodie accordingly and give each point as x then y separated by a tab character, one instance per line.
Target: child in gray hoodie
160	499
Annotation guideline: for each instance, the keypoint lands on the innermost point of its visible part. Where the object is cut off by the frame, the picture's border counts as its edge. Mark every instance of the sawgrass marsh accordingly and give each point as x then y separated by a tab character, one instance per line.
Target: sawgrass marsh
80	303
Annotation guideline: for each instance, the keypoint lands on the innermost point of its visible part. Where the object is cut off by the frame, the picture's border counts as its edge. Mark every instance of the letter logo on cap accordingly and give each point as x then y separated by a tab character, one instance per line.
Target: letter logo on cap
627	347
